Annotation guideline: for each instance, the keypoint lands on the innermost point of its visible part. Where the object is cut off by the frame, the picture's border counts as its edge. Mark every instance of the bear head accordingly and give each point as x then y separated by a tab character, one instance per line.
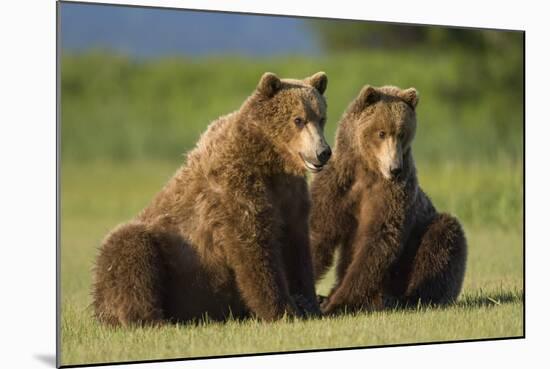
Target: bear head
383	123
292	114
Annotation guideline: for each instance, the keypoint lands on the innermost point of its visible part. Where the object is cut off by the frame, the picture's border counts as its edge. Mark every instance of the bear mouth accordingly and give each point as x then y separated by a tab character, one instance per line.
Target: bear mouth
313	168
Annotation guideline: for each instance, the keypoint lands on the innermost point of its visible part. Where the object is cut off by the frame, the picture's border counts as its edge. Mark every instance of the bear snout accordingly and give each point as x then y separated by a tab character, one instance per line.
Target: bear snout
395	171
324	154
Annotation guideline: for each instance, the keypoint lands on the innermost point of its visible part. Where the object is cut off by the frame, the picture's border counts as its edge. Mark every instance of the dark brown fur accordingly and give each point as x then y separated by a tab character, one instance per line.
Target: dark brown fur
228	234
393	245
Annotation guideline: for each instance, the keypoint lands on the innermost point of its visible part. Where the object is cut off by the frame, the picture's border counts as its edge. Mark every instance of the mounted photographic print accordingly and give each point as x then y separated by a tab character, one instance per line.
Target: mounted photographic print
243	184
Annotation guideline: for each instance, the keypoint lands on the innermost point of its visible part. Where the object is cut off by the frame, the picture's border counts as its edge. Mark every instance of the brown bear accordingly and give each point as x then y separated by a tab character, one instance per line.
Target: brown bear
228	234
394	247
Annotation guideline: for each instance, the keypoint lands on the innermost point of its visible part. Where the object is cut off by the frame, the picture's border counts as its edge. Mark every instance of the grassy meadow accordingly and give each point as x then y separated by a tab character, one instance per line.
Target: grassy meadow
126	124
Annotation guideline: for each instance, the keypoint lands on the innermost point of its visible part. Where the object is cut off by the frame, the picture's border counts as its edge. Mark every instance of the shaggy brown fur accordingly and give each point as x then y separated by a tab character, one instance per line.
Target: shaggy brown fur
393	245
228	234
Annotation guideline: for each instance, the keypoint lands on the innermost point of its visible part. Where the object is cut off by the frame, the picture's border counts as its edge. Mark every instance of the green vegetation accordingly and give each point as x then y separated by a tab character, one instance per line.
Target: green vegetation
125	126
116	108
345	35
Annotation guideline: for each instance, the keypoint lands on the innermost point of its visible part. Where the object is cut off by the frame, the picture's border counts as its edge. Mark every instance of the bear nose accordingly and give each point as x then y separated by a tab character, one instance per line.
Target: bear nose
395	172
324	155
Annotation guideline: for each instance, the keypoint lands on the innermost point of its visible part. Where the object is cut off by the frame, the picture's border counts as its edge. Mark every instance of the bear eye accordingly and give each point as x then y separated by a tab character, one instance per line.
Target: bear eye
322	121
381	134
299	121
401	135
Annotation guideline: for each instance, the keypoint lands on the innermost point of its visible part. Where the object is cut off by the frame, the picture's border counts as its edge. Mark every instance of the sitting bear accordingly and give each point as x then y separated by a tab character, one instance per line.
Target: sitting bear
394	247
228	234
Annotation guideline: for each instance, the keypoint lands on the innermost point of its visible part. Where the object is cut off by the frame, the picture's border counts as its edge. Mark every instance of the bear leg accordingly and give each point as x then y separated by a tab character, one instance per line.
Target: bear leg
128	277
437	270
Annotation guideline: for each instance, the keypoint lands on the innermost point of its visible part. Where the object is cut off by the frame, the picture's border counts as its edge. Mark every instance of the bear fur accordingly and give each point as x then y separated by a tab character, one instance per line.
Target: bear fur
228	234
394	247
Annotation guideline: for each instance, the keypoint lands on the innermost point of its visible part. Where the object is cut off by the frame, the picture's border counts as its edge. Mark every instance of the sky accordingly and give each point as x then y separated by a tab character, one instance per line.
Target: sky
153	32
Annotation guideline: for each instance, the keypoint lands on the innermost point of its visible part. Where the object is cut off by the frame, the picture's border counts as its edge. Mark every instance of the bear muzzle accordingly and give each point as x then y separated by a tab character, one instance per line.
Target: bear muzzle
322	156
313	166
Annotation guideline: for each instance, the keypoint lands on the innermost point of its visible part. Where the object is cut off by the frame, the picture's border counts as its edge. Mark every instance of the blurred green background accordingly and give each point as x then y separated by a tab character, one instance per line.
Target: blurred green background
128	116
119	109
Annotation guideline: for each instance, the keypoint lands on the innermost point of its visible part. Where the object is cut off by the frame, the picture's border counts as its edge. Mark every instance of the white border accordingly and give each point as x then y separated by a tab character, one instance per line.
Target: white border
394	11
27	148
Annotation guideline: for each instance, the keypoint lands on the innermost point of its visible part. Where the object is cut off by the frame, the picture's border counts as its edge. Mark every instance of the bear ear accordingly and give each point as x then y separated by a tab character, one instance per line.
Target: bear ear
368	95
269	84
410	95
319	81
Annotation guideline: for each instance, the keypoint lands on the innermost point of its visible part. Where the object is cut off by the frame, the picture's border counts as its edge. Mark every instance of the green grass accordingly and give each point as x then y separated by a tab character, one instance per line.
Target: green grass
97	196
89	342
